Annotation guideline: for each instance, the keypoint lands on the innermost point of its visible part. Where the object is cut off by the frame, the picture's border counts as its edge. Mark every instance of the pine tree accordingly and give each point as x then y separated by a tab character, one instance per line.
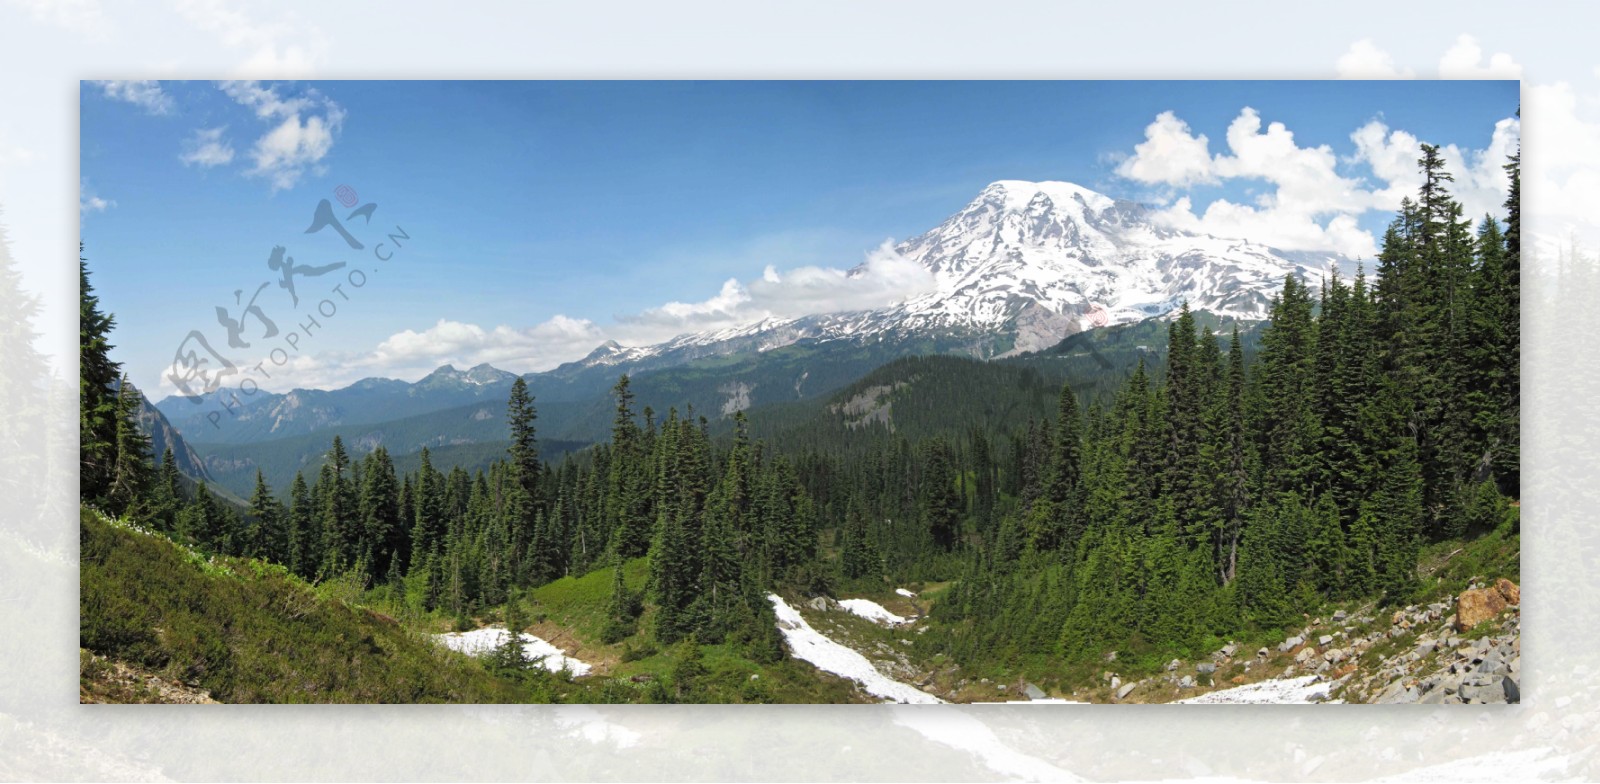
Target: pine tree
131	472
98	412
301	538
270	536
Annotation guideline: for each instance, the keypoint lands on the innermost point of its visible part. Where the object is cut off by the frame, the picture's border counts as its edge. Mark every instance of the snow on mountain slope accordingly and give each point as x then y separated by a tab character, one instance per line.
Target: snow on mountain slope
1026	264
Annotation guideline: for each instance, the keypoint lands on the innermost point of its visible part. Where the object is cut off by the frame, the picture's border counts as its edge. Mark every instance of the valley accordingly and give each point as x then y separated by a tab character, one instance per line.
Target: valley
1097	460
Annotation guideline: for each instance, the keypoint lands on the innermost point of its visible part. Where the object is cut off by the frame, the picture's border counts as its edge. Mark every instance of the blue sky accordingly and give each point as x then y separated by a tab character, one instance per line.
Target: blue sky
542	212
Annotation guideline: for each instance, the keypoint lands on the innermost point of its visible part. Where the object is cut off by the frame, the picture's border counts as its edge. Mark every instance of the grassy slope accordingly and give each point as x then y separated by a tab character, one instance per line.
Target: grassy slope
576	608
244	631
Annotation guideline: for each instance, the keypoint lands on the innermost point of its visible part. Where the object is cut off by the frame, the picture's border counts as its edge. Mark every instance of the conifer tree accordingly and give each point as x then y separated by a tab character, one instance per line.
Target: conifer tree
98	412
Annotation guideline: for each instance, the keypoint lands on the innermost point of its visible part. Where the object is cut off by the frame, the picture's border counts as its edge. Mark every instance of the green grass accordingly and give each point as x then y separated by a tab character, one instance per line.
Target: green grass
250	632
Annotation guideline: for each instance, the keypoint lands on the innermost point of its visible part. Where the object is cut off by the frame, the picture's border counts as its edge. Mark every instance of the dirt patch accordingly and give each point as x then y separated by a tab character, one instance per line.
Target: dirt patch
102	680
602	658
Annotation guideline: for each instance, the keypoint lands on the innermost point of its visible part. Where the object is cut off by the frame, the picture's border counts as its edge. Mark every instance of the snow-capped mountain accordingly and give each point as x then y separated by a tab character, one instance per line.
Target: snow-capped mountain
1024	265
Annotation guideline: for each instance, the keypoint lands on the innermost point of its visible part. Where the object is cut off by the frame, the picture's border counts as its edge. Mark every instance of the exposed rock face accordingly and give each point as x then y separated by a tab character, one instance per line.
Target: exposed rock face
1477	605
1508	590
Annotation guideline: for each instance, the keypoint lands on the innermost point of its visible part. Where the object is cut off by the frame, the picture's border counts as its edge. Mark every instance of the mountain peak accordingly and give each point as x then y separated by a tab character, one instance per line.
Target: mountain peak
1017	195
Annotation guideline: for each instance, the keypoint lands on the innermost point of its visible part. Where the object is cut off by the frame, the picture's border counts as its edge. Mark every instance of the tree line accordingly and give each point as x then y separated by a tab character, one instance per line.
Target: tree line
1376	416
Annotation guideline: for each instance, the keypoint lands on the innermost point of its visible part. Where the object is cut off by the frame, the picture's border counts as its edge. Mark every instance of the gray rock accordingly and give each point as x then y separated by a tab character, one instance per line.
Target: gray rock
1187	682
1289	644
819	603
1326	639
1263	653
1512	689
1230	649
1205	668
1425	647
1304	655
1125	690
1033	692
1340	615
1493	692
1174	665
1115	682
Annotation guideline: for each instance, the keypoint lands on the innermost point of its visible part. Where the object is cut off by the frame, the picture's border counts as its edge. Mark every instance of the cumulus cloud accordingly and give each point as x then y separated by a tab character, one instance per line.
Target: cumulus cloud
206	148
1464	60
1480	179
302	130
272	49
145	94
1311	204
86	17
89	202
1364	60
1170	154
883	278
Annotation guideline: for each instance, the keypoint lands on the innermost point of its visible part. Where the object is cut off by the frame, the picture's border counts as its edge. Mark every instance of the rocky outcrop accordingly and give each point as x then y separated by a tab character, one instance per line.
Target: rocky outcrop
1476	605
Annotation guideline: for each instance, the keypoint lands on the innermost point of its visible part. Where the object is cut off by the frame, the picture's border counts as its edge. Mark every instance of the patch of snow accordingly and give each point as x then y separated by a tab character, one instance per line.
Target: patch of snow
953	727
1279	691
590	724
809	645
1040	701
905	593
481	641
872	611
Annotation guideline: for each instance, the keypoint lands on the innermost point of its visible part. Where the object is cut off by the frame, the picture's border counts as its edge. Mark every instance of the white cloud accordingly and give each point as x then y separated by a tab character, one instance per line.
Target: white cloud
1480	181
1311	204
80	16
1464	60
884	278
207	148
303	131
144	93
1364	60
1310	207
88	202
275	49
1169	155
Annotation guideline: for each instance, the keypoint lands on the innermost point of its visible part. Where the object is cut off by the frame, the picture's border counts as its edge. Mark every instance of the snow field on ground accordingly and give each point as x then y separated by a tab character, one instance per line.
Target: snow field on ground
872	611
482	641
809	645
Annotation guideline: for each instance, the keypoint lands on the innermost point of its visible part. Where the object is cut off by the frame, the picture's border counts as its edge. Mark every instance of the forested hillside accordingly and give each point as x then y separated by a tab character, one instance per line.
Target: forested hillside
1153	513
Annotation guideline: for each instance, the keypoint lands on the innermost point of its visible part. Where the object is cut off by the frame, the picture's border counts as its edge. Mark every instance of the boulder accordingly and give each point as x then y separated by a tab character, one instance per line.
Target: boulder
1289	644
1477	605
1205	668
1325	639
1513	691
1304	655
1493	692
1230	649
1340	615
1335	655
1187	682
1508	590
1172	666
1425	647
1116	682
1125	690
820	603
1263	653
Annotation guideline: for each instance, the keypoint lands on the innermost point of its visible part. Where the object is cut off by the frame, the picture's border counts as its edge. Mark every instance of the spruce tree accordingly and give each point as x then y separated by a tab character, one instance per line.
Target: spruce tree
98	412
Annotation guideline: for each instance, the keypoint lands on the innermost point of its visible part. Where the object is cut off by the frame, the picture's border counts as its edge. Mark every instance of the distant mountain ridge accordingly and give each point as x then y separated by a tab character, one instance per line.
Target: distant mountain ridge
1021	267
